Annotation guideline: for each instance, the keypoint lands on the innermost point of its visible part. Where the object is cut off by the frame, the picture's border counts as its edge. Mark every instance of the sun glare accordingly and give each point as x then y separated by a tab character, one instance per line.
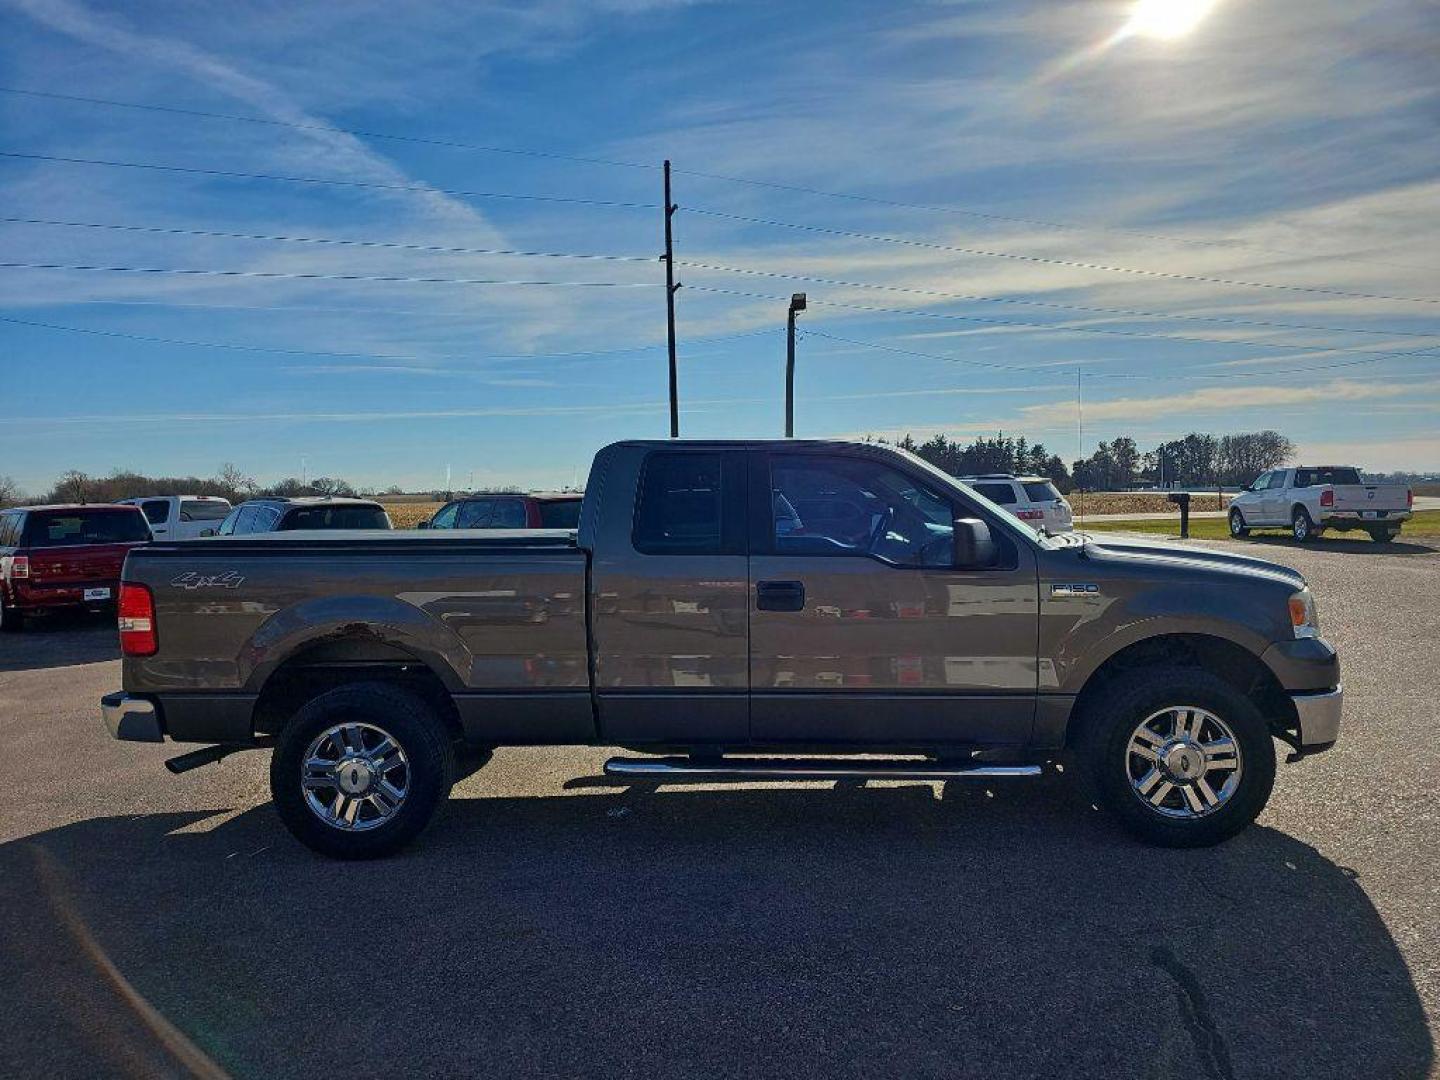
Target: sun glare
1166	19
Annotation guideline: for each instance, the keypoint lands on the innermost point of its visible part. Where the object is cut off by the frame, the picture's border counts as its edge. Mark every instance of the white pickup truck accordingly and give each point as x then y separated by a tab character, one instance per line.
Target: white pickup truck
181	517
1310	499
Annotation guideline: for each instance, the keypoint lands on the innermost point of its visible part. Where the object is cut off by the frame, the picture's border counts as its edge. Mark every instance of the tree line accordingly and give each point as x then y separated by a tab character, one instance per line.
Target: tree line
1197	460
230	482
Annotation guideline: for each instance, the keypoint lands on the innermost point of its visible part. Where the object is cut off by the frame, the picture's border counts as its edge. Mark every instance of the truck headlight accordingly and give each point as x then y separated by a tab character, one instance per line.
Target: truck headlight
1303	619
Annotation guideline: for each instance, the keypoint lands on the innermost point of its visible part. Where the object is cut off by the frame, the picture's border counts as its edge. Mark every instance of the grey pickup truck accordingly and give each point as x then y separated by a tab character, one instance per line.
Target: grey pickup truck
730	610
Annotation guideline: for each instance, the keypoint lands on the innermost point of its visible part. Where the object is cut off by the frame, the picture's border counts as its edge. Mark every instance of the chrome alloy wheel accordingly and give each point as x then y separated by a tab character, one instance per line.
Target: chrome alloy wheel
355	777
1183	762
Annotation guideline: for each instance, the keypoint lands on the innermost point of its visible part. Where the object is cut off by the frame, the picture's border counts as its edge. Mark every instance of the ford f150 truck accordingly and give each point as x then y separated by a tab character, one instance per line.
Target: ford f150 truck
777	610
1313	498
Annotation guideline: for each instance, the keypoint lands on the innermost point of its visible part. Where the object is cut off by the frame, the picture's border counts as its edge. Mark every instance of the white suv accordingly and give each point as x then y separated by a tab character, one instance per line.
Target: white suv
1033	499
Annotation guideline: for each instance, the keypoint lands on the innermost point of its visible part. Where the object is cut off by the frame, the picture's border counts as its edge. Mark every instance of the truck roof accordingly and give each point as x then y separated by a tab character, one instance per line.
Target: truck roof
75	506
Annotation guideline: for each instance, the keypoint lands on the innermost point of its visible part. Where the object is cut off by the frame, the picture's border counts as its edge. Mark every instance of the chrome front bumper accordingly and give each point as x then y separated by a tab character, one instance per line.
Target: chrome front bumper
131	719
1319	716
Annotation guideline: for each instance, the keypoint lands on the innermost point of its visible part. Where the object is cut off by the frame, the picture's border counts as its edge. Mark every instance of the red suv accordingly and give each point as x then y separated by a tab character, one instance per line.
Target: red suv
63	557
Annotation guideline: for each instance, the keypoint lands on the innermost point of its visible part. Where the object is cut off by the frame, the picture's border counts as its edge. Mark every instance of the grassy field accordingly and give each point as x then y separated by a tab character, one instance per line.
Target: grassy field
406	515
1424	524
1139	502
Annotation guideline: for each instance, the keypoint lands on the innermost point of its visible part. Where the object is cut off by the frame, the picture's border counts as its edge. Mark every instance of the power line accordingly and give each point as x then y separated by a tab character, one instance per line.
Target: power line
1097	374
910	290
932	246
442	249
850	196
424	189
961	211
240	347
326	128
297	276
1051	327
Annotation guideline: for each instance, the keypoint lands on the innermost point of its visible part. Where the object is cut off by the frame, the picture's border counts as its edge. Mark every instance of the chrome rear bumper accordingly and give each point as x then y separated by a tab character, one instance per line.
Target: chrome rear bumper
1319	716
131	719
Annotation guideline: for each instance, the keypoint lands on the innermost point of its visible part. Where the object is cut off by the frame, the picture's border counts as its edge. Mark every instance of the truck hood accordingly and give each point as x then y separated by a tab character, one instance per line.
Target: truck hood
1149	552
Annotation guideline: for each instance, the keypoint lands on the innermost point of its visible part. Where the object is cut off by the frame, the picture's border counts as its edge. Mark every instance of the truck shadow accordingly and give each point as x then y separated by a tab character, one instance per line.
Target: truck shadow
875	931
61	640
1337	543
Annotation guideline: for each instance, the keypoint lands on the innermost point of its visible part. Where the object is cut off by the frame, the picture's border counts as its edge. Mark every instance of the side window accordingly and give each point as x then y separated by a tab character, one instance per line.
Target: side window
508	514
245	523
835	505
266	519
1277	479
157	511
227	527
475	514
680	507
1001	494
7	530
445	519
1304	478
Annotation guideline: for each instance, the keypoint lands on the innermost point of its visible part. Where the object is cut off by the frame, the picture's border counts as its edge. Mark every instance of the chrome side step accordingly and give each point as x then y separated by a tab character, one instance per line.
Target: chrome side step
679	768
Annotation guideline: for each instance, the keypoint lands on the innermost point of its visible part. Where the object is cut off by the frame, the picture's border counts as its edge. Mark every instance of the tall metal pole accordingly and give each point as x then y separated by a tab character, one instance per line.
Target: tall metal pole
790	374
797	305
670	288
1080	431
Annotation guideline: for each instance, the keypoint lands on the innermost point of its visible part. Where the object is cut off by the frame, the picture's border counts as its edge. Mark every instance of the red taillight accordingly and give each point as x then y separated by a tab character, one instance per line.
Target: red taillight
20	566
1327	497
137	620
1031	515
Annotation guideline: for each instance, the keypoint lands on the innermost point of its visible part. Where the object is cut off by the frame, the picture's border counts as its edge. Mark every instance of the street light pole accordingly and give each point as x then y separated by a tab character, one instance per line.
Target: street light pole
670	288
797	305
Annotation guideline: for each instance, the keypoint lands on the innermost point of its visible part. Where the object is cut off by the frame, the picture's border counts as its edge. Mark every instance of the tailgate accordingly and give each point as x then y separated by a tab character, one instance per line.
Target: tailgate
1359	498
80	565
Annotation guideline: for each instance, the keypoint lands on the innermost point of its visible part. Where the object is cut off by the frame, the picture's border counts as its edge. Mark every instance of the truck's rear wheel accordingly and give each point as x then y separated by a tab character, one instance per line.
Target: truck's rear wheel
360	770
1238	529
1383	536
11	621
1301	527
1180	756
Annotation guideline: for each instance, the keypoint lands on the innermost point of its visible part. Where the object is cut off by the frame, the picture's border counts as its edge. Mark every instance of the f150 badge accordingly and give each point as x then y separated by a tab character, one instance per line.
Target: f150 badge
1074	589
191	580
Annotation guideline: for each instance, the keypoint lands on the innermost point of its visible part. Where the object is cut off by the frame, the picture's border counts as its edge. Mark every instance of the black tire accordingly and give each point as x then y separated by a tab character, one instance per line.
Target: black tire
11	620
1238	529
1110	720
1383	536
1301	527
428	770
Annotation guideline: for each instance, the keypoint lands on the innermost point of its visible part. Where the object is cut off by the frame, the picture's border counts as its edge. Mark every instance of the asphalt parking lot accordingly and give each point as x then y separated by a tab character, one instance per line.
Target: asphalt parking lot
552	925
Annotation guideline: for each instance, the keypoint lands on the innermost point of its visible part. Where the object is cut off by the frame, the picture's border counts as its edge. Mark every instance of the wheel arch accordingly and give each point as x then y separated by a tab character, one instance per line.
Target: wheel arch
1220	656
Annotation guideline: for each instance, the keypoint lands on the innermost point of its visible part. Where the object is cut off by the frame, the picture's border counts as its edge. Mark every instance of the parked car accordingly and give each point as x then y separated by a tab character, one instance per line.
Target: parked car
57	557
846	605
1033	499
303	512
559	510
1312	498
180	517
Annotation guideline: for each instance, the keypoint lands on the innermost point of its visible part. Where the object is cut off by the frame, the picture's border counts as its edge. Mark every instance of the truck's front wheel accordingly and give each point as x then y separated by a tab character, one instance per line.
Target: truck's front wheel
1180	756
360	770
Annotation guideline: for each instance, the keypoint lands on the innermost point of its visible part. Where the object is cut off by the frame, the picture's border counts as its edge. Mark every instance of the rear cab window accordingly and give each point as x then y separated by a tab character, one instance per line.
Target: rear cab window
157	511
203	510
1040	491
1001	493
74	528
691	502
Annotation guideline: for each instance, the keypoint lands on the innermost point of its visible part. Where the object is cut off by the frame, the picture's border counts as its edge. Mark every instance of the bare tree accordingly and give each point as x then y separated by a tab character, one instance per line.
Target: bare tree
9	491
73	486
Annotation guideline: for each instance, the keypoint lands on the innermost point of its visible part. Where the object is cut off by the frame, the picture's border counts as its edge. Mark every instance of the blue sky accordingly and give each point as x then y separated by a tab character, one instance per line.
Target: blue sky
1267	184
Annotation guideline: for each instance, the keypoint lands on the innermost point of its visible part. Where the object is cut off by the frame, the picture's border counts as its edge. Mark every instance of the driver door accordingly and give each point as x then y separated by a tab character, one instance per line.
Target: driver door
861	628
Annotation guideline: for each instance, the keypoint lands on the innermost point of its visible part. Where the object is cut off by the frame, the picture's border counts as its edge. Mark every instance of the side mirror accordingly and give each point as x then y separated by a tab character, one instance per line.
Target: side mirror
207	532
974	546
422	525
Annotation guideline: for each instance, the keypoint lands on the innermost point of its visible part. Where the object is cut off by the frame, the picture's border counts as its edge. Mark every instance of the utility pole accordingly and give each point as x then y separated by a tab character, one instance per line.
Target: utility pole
797	305
1080	432
670	287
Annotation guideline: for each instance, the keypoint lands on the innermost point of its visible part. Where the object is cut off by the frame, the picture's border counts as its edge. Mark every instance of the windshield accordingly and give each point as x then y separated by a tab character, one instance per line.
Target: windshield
335	517
1021	528
560	514
75	527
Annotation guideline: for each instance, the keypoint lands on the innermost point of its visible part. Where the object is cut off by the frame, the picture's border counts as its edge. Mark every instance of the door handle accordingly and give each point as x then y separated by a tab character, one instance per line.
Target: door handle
780	595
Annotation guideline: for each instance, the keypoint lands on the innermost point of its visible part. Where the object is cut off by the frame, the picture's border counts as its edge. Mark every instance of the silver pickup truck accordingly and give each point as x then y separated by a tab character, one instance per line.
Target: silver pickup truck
1313	498
776	610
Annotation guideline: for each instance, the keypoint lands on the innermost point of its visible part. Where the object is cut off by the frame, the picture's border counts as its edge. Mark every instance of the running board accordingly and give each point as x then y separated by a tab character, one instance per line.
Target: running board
678	768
